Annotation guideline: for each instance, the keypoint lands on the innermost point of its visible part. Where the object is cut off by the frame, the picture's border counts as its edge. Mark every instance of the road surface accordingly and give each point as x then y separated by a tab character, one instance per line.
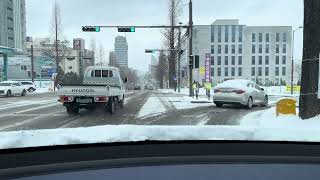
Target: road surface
43	111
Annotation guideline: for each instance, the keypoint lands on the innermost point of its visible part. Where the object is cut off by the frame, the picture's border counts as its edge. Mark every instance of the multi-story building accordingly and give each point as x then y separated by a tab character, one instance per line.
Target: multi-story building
13	24
112	58
121	52
258	53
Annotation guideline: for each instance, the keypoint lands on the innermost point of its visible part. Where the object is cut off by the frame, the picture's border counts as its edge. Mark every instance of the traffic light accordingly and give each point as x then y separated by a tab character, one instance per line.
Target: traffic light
150	51
91	28
126	29
196	61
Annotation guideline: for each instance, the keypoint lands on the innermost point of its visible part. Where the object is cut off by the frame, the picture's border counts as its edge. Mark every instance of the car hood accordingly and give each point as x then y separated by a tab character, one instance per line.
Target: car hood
4	87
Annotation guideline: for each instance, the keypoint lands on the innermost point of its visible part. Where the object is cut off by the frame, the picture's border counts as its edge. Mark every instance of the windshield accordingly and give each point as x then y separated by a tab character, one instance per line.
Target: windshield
104	71
5	84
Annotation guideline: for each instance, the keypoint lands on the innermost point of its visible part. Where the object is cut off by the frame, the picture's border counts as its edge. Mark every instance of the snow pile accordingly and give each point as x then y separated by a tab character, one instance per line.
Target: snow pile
185	91
270	127
128	133
279	91
40	90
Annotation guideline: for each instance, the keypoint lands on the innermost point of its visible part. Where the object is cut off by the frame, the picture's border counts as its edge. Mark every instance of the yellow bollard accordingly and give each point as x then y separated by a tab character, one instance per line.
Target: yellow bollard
286	106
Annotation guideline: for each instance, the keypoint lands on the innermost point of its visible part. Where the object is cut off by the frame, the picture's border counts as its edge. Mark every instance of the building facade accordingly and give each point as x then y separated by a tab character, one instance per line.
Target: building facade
121	52
13	24
112	58
259	53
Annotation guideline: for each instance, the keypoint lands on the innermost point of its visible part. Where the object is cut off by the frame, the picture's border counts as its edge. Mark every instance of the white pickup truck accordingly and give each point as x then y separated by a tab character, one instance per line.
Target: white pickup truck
102	86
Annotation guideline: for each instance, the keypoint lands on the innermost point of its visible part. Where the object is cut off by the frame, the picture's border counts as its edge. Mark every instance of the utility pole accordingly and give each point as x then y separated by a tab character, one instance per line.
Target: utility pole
179	57
32	64
190	47
56	44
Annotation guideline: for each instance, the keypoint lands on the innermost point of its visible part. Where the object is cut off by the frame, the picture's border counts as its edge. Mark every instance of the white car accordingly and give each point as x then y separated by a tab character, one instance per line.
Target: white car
9	88
239	91
29	86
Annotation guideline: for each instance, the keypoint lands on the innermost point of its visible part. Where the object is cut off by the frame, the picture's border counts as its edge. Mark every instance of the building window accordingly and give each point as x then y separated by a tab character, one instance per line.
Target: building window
267	48
219	49
233	49
226	33
277	59
260	37
212	49
260	71
260	48
253	48
212	71
283	71
219	33
284	59
253	37
23	68
233	71
226	49
233	34
284	37
226	60
239	71
212	33
70	67
219	60
212	60
225	71
253	60
277	48
240	60
267	60
267	37
284	48
240	49
219	71
277	71
277	37
240	33
266	72
260	60
233	60
253	71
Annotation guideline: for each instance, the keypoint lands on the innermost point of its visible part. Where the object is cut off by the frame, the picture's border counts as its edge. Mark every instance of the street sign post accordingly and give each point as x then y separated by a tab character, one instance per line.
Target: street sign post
208	73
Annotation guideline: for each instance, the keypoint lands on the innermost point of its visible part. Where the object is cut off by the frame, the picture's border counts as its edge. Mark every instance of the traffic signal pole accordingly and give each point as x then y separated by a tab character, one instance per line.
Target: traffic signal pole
190	48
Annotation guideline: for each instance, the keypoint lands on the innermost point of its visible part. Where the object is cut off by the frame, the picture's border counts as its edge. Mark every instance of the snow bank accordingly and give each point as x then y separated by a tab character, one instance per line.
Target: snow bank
128	133
185	91
279	91
40	90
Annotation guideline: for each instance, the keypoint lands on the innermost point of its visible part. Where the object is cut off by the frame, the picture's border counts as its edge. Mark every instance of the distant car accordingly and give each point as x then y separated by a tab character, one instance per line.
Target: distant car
29	86
9	88
242	92
137	87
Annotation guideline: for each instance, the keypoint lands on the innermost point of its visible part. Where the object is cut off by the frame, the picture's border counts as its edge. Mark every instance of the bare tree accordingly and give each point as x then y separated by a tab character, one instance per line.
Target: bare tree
171	36
297	69
309	105
162	69
57	48
102	59
93	48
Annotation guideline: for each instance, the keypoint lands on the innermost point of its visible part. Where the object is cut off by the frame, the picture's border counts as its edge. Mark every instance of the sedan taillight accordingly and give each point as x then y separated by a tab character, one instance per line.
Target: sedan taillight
239	91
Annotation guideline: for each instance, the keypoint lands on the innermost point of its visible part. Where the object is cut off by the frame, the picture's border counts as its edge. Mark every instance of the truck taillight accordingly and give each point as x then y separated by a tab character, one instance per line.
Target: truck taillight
66	98
100	99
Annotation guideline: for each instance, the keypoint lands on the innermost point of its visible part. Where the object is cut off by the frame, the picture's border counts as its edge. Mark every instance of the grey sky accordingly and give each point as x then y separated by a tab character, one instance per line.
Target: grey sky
76	13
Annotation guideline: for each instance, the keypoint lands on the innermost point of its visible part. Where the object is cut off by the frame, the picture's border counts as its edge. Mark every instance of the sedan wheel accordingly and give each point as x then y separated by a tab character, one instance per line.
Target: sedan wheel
265	102
250	103
8	93
24	92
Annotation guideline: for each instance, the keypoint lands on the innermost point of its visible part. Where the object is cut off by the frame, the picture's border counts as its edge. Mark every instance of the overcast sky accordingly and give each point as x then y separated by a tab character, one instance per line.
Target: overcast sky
76	13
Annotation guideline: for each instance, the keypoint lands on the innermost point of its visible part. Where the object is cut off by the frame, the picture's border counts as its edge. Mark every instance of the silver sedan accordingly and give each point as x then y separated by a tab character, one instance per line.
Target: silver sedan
239	91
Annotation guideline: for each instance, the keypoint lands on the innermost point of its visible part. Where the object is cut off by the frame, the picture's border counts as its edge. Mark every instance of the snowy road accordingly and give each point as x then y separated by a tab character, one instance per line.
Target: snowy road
43	111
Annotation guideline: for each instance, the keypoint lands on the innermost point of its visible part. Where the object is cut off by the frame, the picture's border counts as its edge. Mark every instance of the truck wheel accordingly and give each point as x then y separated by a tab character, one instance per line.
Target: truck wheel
111	106
71	109
121	103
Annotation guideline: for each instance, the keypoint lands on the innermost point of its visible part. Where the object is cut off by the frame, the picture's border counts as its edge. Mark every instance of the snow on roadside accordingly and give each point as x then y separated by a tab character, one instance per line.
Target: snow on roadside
151	107
40	90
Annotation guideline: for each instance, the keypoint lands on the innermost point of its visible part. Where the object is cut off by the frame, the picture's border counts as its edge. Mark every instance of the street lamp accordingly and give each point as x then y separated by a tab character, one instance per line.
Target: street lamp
300	27
179	57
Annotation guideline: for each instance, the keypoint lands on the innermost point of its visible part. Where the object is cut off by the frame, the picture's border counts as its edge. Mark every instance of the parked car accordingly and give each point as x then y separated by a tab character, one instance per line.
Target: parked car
137	87
9	88
29	86
239	91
